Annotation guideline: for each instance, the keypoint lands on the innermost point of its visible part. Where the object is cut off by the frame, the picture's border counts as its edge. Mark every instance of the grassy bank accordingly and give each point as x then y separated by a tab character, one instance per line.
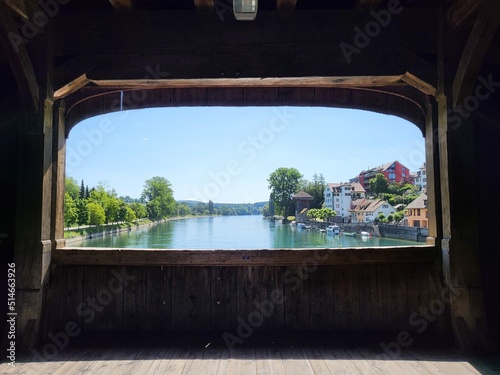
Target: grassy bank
80	232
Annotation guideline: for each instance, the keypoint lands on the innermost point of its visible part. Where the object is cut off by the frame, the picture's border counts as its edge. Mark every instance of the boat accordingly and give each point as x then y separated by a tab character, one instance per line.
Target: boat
303	226
365	234
350	234
334	230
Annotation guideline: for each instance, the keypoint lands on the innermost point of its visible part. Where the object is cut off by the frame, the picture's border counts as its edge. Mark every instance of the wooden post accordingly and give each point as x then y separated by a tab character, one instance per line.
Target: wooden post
432	169
33	245
33	236
58	176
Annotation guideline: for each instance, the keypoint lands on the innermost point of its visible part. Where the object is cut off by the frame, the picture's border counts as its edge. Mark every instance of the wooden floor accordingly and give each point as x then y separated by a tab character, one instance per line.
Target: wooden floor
207	357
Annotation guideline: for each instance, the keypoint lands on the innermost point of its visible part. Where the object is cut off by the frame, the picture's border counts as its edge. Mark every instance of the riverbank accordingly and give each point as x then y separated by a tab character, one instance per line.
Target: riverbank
130	228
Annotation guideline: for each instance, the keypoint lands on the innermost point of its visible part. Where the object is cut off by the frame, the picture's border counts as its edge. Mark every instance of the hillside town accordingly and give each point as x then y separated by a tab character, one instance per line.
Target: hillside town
354	202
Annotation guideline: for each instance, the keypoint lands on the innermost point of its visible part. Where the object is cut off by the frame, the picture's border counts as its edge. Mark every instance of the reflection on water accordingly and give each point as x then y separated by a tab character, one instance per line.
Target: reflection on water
232	232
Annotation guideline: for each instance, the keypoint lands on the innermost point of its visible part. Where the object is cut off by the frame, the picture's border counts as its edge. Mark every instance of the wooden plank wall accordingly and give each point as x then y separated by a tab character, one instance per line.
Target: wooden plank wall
316	298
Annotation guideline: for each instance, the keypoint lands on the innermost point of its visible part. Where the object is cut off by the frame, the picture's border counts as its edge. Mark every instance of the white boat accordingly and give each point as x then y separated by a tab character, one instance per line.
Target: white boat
334	230
365	234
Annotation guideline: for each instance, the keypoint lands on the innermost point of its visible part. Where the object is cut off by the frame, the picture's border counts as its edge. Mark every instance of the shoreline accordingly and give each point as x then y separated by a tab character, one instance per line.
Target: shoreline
127	229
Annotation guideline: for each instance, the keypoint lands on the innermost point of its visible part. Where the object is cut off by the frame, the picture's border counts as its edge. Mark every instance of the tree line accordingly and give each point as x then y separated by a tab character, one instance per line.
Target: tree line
100	205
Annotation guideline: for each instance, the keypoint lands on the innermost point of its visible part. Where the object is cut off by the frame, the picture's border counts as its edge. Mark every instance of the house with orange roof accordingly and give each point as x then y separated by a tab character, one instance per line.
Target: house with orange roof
417	212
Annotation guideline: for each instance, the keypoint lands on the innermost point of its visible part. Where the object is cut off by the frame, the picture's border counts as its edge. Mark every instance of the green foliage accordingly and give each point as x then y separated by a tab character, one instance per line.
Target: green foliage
71	186
284	183
82	191
96	213
183	209
321	213
210	207
139	210
271	207
315	188
70	211
398	216
390	218
381	218
129	215
83	212
159	197
379	184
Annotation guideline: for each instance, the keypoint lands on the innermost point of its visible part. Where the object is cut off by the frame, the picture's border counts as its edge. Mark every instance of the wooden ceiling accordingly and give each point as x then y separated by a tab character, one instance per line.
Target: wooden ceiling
87	37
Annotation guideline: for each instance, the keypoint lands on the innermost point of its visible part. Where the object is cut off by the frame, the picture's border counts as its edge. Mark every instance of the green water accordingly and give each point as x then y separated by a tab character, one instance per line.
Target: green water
232	232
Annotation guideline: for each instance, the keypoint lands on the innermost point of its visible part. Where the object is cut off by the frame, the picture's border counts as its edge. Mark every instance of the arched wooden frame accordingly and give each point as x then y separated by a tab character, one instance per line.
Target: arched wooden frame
405	102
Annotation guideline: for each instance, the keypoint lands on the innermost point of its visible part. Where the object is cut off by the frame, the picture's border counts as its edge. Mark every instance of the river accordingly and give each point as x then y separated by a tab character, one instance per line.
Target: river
232	232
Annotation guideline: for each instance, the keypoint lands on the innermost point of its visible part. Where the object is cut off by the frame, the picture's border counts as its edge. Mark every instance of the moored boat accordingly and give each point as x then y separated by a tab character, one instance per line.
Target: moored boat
334	230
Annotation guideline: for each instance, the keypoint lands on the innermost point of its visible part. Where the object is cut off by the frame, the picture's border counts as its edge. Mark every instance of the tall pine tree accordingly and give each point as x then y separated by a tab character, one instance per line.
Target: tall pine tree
82	190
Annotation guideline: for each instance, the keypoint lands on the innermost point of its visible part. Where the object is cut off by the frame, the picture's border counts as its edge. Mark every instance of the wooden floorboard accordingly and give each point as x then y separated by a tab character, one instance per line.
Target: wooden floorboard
265	359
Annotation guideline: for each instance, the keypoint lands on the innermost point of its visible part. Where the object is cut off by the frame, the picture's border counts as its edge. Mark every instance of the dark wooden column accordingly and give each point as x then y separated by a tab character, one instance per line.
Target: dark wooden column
33	243
34	212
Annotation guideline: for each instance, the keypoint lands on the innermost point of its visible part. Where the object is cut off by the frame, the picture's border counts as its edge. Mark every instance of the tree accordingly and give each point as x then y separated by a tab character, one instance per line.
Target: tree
83	212
271	207
184	209
379	184
283	184
315	188
139	209
70	211
159	197
96	214
210	207
82	190
398	216
72	188
327	213
129	215
314	213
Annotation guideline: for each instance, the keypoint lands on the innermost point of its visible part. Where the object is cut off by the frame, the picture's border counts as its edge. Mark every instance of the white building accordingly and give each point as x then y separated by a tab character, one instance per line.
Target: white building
366	211
338	197
421	178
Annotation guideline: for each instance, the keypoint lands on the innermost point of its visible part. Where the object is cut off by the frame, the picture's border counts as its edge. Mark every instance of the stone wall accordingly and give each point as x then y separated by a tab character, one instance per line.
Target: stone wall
405	233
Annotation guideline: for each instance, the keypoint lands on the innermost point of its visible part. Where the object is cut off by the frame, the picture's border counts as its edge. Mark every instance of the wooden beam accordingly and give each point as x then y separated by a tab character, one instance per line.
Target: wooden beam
123	5
340	82
368	4
71	87
274	257
19	60
71	76
475	50
419	84
461	12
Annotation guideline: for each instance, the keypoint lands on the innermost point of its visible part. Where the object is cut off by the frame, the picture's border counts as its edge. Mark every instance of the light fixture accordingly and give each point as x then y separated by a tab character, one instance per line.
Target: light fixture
245	10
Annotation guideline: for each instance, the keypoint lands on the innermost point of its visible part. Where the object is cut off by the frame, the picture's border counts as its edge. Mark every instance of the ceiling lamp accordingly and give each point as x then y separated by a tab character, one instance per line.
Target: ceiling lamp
245	10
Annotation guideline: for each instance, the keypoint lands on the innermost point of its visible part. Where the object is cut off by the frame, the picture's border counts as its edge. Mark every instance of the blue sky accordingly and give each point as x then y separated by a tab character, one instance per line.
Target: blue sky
226	154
